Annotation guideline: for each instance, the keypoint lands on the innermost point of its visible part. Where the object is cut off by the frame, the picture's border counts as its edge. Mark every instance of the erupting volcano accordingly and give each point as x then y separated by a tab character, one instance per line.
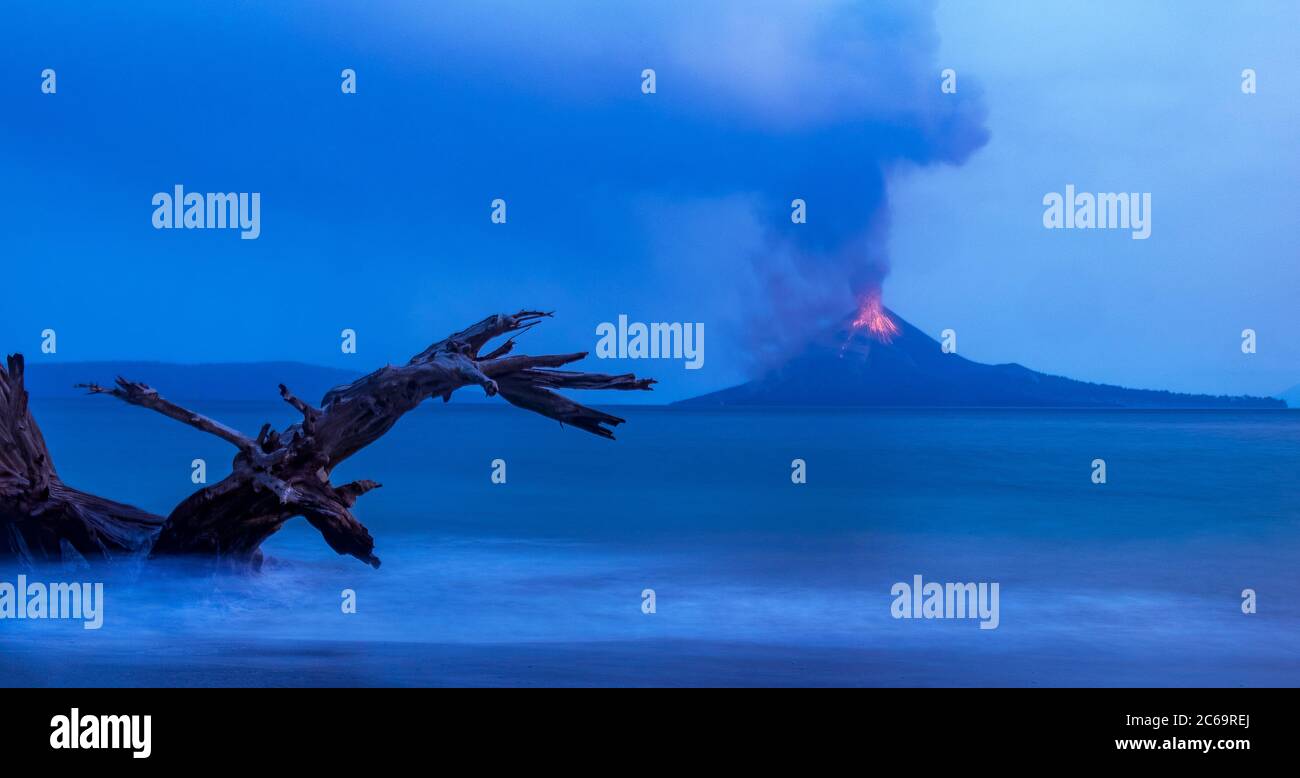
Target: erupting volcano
872	317
873	357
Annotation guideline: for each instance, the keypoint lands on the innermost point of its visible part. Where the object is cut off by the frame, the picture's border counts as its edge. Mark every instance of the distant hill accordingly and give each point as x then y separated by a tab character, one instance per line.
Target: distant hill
851	366
1292	396
223	381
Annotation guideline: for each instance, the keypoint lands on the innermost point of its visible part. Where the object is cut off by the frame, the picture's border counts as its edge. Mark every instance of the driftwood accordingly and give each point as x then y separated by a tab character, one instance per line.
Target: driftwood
40	516
283	474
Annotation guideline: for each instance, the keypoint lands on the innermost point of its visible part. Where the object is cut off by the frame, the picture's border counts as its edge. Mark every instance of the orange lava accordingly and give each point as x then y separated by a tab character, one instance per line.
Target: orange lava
872	317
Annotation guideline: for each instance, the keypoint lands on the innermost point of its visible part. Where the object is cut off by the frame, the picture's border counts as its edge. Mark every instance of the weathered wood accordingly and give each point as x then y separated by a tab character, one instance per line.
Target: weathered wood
282	475
41	518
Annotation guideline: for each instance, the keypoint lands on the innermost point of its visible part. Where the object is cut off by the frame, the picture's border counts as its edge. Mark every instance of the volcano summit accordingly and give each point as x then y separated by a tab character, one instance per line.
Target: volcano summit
881	360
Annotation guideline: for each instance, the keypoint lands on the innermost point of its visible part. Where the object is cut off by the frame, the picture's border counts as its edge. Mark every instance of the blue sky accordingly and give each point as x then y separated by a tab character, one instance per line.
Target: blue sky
666	207
1127	96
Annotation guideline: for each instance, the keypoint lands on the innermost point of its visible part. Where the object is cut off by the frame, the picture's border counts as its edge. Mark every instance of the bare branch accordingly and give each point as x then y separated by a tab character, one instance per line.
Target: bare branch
309	413
146	397
349	492
520	391
341	530
506	365
472	339
568	379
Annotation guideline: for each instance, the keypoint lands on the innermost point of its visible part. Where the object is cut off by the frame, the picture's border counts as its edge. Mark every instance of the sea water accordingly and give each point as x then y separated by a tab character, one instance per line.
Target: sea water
756	579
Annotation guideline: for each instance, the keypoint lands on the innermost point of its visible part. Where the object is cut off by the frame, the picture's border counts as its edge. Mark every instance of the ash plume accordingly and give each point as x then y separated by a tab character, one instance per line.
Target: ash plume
760	102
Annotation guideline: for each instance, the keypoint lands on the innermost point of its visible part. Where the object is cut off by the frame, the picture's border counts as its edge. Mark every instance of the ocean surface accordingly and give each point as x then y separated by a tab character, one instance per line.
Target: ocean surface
757	580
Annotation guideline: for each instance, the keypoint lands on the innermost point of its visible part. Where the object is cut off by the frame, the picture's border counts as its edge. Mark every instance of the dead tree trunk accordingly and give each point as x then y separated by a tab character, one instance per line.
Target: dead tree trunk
41	518
285	474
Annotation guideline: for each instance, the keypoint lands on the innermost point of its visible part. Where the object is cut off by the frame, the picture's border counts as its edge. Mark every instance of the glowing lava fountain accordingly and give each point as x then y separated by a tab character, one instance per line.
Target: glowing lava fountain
872	317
